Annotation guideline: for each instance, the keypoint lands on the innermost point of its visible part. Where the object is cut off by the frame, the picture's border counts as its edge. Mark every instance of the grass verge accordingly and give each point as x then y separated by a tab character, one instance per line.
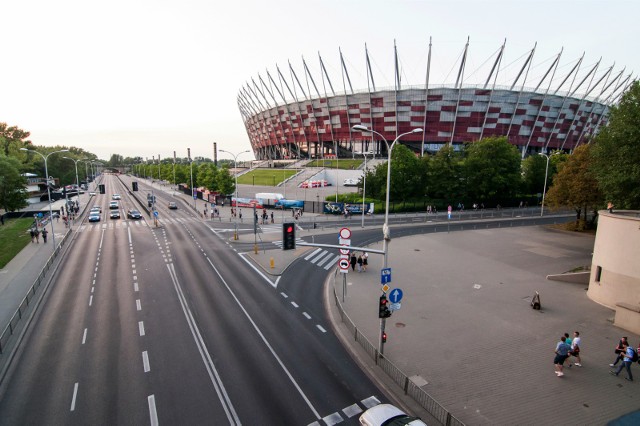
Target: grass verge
266	177
331	164
14	236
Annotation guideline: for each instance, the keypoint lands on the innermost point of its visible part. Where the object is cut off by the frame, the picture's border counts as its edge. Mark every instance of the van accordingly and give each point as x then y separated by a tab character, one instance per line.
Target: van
269	198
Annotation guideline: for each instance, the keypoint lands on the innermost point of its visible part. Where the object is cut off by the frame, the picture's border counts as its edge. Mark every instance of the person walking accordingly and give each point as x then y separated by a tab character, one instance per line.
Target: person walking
619	351
359	263
575	349
353	260
562	353
272	217
37	232
626	363
44	235
33	235
365	261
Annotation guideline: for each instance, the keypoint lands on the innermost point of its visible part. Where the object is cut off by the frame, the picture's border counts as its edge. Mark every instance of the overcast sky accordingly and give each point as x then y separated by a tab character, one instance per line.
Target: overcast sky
147	77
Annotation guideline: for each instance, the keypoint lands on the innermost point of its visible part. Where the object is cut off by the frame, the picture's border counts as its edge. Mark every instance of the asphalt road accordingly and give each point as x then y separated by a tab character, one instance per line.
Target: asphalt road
168	324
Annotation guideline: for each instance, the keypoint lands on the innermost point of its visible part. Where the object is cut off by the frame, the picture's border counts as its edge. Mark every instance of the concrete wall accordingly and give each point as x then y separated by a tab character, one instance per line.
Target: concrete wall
616	257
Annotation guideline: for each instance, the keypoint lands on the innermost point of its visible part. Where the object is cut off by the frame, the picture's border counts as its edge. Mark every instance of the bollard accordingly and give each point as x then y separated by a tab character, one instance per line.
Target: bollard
255	249
272	263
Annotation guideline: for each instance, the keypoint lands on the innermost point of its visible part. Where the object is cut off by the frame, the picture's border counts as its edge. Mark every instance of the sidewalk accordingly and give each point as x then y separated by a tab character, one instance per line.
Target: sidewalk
468	336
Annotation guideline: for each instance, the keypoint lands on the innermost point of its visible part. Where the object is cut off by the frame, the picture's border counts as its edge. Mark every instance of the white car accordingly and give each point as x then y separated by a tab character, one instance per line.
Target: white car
97	209
388	415
116	197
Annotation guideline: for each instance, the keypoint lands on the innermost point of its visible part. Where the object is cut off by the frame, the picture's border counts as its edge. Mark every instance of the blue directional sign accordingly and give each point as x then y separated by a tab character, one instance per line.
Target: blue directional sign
396	295
155	213
195	194
385	275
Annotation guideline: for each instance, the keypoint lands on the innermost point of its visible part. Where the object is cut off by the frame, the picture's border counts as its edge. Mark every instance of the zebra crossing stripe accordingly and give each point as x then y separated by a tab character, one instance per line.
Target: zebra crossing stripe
325	259
332	262
319	256
313	254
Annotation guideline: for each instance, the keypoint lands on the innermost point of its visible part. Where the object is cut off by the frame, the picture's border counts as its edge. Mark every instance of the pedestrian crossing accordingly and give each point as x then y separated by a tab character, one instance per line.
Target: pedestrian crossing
123	224
319	257
348	412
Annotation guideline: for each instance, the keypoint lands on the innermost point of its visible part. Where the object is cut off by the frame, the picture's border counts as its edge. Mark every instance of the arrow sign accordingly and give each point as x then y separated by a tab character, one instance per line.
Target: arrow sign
396	295
385	275
155	213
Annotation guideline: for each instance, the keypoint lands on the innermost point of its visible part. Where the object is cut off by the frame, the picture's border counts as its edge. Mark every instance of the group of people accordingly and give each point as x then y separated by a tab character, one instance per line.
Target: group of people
361	261
35	234
625	354
567	347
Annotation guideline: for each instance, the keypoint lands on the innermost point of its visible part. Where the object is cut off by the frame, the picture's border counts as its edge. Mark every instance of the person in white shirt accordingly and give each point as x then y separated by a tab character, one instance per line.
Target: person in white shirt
575	349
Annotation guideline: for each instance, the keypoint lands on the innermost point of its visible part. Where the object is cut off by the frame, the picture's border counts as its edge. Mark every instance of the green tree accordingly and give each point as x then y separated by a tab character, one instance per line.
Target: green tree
575	185
616	152
12	139
225	182
533	171
492	167
446	179
207	176
13	193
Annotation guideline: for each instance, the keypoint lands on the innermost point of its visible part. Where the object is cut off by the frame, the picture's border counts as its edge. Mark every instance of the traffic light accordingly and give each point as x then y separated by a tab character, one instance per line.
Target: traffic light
288	236
383	307
384	337
102	190
134	185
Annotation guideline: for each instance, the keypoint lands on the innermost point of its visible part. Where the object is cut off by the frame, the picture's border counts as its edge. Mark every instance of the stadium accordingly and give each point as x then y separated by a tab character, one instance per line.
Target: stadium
303	116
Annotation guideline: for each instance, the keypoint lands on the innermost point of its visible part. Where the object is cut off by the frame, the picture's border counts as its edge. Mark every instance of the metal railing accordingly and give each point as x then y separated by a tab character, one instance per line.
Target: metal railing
409	388
27	301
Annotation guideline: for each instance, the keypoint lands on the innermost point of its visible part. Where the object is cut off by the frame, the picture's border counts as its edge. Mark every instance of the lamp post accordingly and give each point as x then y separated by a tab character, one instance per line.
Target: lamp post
75	162
364	181
385	227
86	171
46	172
235	166
193	194
546	171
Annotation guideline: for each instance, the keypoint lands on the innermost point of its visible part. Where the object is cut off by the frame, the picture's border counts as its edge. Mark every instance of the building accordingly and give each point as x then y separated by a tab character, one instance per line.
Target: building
287	119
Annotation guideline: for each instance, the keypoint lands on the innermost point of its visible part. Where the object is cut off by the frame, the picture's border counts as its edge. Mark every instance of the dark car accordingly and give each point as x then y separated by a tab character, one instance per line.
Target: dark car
134	214
94	217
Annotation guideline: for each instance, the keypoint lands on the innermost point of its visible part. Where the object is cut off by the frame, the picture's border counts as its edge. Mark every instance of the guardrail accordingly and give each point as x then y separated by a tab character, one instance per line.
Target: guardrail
409	388
26	302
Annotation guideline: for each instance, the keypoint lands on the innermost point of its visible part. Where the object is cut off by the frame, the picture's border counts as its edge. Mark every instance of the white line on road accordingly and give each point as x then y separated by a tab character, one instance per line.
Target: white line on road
284	295
320	328
138	305
145	362
101	238
306	315
141	328
84	336
73	399
135	287
312	254
274	285
295	305
332	262
90	300
153	414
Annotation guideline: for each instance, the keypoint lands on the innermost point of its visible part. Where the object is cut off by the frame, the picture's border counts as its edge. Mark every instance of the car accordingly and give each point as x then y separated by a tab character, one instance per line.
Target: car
94	217
95	209
350	182
92	193
388	415
113	205
173	205
114	214
134	214
116	197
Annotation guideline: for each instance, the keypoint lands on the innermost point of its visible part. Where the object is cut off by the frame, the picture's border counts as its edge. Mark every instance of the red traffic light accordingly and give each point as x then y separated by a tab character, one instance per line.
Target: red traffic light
384	337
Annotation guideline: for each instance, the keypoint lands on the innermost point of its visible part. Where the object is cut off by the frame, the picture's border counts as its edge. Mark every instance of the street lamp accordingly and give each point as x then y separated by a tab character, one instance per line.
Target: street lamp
364	180
86	173
235	166
75	162
546	170
46	172
385	227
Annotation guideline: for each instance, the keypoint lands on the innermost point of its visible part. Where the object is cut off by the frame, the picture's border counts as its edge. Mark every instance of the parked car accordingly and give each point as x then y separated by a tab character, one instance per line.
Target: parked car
350	182
94	217
114	214
113	205
388	415
134	214
173	205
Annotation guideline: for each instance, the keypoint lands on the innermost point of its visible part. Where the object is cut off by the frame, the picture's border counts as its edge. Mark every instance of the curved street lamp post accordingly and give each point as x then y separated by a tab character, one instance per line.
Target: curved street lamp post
546	171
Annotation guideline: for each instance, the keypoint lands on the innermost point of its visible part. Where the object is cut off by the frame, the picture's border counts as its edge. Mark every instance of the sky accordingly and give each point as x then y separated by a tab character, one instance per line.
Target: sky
149	77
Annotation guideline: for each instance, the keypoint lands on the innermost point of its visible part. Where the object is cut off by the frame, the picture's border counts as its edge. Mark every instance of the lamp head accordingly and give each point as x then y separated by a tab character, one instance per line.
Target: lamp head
360	128
416	130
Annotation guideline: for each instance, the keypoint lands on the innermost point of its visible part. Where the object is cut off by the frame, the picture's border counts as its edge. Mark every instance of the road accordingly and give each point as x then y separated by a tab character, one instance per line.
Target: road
168	324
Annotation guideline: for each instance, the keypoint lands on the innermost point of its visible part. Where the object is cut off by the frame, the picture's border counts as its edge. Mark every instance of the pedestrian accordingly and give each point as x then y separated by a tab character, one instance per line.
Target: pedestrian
562	353
568	339
33	235
44	235
37	232
359	263
2	219
619	350
240	215
272	217
626	362
610	207
365	261
575	349
353	261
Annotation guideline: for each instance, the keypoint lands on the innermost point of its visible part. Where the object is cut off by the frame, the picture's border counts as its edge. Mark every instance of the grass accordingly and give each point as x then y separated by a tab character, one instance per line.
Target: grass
14	236
331	164
266	177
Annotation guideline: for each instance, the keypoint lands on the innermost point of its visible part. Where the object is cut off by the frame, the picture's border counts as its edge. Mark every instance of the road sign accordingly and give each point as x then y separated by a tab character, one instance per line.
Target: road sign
385	275
344	242
396	295
344	265
385	288
155	213
344	251
395	306
345	233
195	194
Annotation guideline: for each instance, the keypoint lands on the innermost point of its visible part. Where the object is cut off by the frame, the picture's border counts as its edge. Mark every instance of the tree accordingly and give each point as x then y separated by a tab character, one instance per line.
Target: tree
225	182
13	193
446	175
207	174
12	139
616	153
575	185
533	171
492	167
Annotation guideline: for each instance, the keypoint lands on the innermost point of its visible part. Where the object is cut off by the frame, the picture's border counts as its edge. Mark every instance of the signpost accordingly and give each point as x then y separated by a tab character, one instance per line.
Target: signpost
385	276
344	239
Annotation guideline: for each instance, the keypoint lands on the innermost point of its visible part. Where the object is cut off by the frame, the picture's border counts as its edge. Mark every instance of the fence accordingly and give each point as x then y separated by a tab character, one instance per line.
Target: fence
27	301
409	388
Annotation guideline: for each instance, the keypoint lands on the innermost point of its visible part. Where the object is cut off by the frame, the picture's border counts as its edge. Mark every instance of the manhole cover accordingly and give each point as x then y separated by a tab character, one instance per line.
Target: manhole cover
400	324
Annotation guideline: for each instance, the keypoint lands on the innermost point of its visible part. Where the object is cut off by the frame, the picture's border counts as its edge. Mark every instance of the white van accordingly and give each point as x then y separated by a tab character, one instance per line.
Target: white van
269	198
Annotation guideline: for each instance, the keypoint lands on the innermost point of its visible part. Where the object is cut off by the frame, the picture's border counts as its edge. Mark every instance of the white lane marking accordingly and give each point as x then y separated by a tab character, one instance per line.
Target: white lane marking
153	414
325	259
135	287
372	401
145	362
284	295
267	344
332	262
84	336
320	328
312	254
138	305
320	256
274	285
101	238
352	410
92	289
90	300
73	399
332	419
141	327
229	410
295	305
306	315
